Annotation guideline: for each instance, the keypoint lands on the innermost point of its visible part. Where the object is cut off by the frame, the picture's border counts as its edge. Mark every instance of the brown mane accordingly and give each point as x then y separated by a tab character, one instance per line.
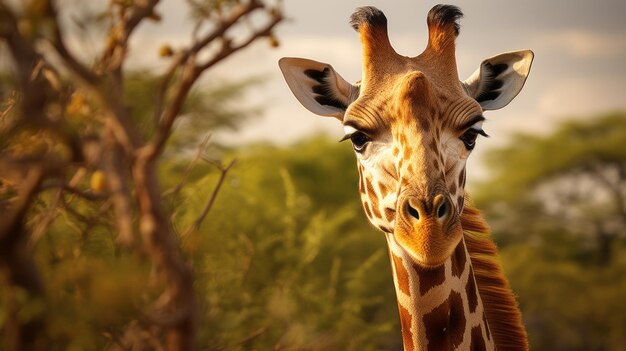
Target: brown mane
501	308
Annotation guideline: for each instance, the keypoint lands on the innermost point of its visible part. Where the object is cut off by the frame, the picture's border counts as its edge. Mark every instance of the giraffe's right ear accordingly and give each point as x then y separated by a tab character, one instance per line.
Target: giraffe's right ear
318	86
499	79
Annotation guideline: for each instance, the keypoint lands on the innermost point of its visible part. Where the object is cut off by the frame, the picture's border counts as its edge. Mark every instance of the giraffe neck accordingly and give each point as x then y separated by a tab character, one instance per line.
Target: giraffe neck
440	308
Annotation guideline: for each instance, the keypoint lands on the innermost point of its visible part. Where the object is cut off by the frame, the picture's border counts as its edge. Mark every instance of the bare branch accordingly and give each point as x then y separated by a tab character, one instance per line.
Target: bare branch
234	16
255	334
207	208
191	71
91	196
117	179
200	151
115	53
227	50
18	263
35	89
158	240
58	42
129	163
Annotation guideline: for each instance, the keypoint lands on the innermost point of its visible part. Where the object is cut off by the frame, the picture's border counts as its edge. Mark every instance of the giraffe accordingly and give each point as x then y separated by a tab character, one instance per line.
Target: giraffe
412	124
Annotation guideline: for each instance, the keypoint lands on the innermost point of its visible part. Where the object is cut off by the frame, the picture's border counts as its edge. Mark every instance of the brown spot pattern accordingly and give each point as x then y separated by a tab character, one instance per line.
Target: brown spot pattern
472	294
369	188
477	343
385	229
424	123
436	328
401	275
405	321
429	277
407	152
390	214
436	165
453	188
375	210
458	260
462	178
433	146
457	321
460	202
402	139
384	190
445	325
433	111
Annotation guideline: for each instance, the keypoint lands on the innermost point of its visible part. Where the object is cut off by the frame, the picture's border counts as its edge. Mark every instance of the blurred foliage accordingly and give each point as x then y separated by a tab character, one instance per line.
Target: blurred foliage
556	206
280	257
271	271
219	100
283	261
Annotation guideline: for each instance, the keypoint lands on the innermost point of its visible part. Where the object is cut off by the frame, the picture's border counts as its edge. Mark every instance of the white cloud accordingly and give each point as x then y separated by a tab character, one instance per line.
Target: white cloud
582	96
583	44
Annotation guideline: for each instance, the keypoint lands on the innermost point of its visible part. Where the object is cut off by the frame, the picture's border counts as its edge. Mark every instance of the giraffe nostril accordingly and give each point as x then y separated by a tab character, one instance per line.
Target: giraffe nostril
413	212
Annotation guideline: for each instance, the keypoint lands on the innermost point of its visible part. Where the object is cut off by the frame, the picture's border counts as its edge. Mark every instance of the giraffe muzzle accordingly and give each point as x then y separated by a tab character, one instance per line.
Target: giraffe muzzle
420	210
427	228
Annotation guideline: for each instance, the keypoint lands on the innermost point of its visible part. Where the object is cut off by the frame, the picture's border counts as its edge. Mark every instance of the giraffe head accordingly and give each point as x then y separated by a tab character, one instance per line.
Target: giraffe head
412	125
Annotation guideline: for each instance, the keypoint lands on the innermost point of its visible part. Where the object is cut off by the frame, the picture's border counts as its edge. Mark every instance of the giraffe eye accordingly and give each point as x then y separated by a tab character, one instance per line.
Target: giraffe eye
359	141
469	137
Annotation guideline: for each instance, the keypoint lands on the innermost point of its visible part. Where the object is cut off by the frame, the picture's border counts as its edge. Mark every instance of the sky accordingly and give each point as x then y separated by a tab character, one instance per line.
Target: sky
579	68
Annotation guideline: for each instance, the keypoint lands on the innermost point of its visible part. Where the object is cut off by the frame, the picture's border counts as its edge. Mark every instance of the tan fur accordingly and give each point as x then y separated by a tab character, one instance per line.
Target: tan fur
501	308
441	38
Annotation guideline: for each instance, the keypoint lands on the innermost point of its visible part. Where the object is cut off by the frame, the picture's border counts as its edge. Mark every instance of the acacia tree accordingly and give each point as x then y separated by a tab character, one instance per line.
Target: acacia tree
556	205
571	181
63	119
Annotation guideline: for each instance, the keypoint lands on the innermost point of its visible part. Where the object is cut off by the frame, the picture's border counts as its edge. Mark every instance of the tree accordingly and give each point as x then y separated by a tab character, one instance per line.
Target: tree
65	121
556	205
574	178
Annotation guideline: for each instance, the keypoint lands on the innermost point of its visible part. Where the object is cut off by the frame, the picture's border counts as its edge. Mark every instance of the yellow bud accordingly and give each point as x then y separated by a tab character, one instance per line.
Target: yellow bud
274	12
98	181
274	43
166	51
26	28
155	17
77	104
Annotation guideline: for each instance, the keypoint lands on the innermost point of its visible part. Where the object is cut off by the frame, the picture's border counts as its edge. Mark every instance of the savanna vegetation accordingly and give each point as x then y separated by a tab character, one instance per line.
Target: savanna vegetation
278	251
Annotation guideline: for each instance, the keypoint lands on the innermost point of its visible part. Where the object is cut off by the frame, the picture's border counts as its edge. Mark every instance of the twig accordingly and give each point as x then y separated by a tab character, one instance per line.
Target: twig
182	58
223	172
19	266
115	53
191	71
91	196
112	100
228	50
255	334
117	180
58	42
200	151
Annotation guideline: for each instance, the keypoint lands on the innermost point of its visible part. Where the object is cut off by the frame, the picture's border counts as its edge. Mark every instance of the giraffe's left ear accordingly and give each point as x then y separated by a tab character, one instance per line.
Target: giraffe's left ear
318	86
499	79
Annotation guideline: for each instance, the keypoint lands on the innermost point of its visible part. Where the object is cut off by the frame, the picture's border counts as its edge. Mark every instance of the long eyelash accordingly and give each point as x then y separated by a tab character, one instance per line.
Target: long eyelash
346	137
482	132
